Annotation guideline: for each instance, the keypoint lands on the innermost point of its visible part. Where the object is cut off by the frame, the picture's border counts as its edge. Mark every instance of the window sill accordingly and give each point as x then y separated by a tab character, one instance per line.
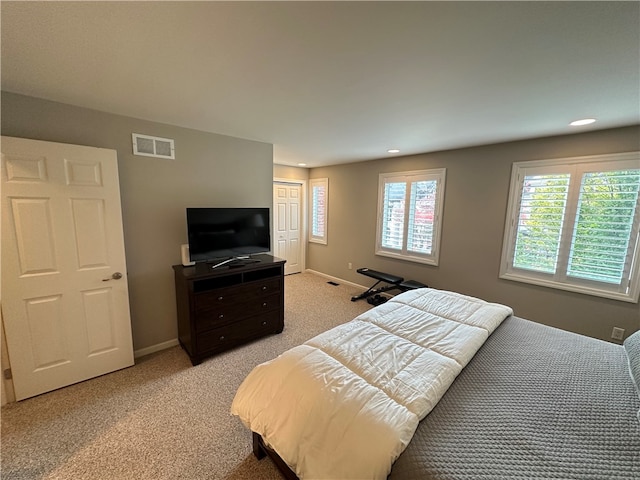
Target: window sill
623	297
408	258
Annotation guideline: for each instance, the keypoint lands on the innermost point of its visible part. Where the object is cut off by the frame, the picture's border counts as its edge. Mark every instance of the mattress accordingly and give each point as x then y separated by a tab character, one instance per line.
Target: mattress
346	403
534	403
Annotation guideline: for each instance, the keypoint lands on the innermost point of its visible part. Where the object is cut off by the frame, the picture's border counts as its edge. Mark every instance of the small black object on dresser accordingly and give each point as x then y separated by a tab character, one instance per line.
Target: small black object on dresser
221	308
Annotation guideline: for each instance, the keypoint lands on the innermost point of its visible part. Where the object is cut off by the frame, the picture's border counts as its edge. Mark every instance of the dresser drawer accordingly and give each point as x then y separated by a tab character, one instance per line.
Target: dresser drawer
238	332
218	315
206	301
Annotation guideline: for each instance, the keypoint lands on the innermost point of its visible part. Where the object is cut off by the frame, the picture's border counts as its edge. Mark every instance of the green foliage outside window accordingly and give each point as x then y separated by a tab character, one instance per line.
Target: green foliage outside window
601	231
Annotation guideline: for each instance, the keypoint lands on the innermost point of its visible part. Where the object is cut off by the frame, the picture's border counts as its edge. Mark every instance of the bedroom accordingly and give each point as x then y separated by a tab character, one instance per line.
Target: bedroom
155	193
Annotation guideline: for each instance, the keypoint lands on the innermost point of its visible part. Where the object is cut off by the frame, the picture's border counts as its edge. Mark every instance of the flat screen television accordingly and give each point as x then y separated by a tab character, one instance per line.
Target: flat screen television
223	233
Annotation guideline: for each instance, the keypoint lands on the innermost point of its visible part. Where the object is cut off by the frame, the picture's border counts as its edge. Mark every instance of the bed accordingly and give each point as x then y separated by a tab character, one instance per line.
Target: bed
529	401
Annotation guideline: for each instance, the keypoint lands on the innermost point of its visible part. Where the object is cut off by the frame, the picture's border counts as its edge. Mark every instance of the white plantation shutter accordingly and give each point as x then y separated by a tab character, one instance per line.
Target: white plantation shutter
604	226
318	205
574	224
542	209
409	212
318	224
422	216
393	215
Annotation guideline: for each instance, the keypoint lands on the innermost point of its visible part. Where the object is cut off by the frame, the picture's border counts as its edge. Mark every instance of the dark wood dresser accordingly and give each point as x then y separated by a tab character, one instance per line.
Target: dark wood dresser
221	308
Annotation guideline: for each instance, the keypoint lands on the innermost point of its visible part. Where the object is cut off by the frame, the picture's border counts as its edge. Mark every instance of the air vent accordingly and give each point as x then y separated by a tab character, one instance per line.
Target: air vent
153	146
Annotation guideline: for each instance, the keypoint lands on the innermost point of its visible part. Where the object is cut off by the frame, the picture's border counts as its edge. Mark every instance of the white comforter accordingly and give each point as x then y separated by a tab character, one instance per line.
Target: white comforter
345	404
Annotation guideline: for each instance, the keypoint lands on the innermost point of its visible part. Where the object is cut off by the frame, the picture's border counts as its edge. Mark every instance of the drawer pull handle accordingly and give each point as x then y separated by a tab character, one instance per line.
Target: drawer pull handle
221	315
220	298
264	288
264	304
222	338
264	324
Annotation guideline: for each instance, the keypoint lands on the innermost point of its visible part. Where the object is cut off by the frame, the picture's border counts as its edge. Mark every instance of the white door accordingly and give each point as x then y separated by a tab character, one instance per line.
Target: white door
65	300
286	225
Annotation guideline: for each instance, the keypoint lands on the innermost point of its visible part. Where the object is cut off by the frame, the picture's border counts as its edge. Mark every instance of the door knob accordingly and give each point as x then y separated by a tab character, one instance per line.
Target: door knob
115	276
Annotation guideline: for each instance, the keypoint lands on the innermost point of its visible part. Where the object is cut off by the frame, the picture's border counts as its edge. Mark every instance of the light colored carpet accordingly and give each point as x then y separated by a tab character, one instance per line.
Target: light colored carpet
163	418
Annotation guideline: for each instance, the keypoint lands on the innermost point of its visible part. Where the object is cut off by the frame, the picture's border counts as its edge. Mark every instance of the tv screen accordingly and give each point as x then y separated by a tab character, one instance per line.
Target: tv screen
216	233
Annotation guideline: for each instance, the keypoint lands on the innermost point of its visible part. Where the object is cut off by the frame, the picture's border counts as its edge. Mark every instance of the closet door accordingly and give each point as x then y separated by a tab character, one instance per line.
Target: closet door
286	225
65	301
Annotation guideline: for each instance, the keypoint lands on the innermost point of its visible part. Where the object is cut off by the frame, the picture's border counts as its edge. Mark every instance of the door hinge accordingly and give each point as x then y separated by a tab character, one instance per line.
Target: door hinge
7	374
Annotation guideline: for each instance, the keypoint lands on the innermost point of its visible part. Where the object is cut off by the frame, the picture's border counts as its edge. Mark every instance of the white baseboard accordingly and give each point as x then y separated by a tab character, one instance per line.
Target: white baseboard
336	279
155	348
341	280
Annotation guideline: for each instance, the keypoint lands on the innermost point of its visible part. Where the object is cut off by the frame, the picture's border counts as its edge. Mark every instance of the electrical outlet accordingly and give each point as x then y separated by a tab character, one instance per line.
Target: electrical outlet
350	266
617	333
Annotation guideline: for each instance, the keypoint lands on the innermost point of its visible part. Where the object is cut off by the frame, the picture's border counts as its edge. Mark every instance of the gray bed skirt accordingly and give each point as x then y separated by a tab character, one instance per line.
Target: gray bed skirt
535	402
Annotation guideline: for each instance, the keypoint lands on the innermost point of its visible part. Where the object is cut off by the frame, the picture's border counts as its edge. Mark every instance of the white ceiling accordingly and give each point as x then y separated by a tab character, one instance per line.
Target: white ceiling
332	82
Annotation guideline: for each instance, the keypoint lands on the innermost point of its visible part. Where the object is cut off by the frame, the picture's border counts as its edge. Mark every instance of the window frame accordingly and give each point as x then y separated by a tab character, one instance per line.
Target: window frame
629	289
314	210
409	177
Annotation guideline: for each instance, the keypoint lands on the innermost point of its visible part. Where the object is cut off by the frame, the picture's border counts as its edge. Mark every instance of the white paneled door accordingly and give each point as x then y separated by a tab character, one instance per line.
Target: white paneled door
287	220
65	300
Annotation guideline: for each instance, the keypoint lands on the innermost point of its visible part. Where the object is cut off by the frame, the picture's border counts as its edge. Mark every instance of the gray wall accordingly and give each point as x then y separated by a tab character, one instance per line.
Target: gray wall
477	187
290	173
214	169
209	170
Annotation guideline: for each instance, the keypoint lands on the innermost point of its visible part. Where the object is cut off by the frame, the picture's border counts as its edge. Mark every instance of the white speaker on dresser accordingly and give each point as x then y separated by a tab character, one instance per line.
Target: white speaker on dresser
186	260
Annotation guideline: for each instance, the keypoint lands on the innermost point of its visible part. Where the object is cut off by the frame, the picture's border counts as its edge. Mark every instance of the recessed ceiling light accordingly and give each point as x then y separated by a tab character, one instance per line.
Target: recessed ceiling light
584	121
302	164
393	150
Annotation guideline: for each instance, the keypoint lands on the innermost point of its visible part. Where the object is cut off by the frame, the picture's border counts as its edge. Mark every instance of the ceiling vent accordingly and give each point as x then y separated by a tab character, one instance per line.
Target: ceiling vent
153	146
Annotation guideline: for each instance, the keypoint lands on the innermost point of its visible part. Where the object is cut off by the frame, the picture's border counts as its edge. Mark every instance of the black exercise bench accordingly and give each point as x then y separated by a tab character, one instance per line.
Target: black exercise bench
394	282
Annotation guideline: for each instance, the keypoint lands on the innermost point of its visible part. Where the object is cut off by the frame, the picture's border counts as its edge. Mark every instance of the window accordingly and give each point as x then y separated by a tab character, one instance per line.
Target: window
573	224
319	199
409	212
